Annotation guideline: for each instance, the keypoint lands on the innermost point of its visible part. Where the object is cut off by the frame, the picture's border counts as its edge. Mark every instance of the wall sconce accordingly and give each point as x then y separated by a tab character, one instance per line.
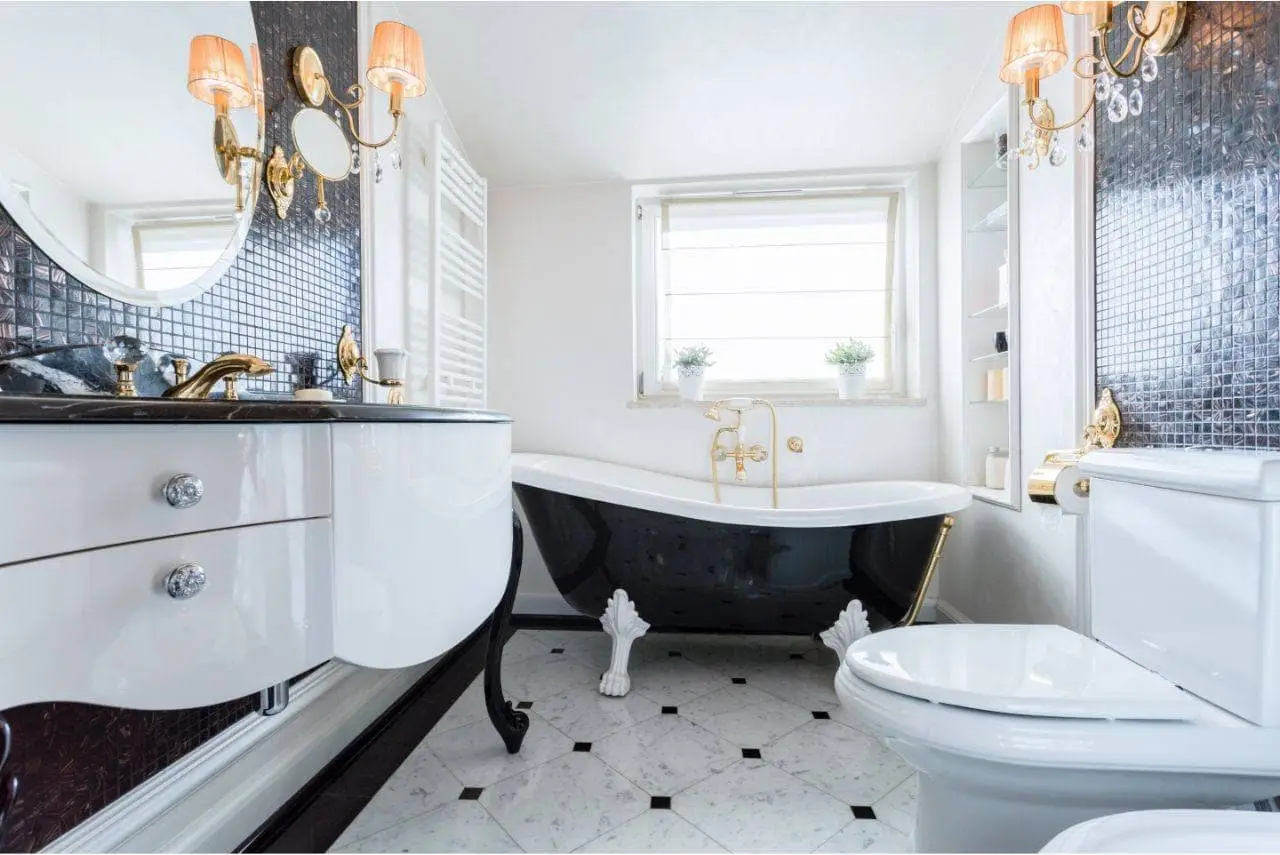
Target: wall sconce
217	75
395	66
1035	48
392	362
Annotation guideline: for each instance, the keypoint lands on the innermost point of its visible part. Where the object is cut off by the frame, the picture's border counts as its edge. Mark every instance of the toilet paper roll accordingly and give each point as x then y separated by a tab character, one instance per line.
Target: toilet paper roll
1058	481
1070	490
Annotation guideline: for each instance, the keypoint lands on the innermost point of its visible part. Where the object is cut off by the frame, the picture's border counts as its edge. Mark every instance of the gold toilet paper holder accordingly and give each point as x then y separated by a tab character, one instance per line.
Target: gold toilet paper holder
1102	432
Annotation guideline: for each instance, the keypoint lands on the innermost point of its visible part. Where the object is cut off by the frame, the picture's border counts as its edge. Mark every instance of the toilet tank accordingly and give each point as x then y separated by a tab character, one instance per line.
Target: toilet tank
1184	551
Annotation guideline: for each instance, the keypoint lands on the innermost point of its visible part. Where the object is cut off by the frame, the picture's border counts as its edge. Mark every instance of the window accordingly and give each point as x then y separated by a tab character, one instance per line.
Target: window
770	282
171	255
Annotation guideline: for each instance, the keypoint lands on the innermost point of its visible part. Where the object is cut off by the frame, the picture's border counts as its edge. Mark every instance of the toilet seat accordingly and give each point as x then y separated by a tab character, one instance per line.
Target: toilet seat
1046	671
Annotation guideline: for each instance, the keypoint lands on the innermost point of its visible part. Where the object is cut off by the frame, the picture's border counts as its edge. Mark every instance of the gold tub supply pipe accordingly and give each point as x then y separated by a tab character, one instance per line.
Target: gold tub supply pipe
935	556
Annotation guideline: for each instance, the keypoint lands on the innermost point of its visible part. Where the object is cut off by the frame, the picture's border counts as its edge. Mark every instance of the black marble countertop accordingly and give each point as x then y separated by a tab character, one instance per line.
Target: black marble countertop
64	409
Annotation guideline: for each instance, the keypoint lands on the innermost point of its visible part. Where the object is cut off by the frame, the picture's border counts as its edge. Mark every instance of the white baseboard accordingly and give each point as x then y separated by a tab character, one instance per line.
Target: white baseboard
947	613
542	604
215	797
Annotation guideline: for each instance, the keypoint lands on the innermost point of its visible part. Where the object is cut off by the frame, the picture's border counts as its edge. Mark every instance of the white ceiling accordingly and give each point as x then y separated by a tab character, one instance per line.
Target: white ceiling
568	92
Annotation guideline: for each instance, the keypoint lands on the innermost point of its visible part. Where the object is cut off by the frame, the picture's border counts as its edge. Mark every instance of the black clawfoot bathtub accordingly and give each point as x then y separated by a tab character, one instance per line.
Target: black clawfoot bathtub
740	566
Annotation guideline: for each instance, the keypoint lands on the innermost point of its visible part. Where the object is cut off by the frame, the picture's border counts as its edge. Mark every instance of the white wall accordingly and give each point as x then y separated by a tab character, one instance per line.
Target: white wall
385	215
1003	565
561	360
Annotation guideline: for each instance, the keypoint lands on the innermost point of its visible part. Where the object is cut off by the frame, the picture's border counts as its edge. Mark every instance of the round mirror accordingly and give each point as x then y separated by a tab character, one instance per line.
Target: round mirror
107	161
322	144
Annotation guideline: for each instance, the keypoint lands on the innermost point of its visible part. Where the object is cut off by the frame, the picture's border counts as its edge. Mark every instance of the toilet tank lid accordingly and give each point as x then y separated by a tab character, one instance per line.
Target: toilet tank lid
1239	474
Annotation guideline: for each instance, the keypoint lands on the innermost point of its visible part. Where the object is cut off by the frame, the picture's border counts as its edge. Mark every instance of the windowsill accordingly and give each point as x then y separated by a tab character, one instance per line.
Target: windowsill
671	400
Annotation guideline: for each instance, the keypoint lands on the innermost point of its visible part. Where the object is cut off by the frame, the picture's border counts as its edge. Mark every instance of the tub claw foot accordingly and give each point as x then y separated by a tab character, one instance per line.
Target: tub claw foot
849	627
624	625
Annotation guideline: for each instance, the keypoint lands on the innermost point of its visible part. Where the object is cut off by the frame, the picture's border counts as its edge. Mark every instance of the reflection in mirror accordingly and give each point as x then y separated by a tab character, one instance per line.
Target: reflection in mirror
322	144
106	157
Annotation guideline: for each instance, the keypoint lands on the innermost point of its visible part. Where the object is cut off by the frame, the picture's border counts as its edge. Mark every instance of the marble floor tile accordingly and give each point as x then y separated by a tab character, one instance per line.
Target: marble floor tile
746	716
562	804
590	647
523	644
801	682
654	831
585	715
467	709
459	826
752	806
867	835
847	763
666	754
476	756
547	674
421	784
898	809
674	680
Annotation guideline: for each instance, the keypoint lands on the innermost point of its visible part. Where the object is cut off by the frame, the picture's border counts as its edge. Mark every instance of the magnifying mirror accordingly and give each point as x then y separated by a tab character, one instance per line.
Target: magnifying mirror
322	144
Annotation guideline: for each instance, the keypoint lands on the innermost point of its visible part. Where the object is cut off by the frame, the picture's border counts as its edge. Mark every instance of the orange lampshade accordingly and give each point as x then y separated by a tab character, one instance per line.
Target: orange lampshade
255	71
396	57
216	73
1034	42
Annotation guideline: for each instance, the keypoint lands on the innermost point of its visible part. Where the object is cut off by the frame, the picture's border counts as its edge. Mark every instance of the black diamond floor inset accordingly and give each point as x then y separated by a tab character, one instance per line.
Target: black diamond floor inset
751	753
739	681
797	655
525	705
471	793
660	802
557	650
821	714
673	653
582	746
668	710
862	812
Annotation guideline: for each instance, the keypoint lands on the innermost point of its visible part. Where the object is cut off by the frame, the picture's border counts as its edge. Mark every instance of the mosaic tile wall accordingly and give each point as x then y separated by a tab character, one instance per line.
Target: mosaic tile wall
294	284
291	289
1188	240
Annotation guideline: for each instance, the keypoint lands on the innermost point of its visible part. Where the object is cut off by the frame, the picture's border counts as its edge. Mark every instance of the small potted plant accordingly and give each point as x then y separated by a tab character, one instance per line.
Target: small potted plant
691	369
850	360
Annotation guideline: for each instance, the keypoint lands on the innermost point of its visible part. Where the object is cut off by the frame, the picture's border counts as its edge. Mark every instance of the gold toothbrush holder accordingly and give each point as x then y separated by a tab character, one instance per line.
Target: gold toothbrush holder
391	365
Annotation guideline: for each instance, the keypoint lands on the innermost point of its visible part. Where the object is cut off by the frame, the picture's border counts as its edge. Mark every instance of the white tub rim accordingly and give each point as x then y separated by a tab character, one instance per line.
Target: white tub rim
570	475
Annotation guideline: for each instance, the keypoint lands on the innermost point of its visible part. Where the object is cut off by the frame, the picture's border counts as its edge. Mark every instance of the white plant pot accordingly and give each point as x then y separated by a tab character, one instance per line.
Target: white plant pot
691	383
852	379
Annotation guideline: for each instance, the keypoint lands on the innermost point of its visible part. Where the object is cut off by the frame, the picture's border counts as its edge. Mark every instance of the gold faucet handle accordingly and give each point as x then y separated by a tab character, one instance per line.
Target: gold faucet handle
181	368
232	390
125	387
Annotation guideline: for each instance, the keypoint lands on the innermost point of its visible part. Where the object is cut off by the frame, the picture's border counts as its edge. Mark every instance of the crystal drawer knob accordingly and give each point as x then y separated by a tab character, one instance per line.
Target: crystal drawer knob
184	491
185	581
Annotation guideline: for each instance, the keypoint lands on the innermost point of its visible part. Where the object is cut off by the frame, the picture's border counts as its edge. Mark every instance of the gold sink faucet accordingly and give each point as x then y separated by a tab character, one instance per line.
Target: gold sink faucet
227	367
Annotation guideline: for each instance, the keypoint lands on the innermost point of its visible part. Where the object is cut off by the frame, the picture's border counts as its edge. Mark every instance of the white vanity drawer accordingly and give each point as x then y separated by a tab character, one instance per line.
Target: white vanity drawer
73	487
100	627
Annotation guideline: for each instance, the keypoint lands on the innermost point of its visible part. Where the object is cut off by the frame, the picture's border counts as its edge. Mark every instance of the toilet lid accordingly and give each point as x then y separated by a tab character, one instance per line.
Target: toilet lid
1045	671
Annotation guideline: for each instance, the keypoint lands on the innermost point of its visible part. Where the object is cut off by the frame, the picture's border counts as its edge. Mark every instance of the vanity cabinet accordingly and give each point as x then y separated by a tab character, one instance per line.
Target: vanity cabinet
381	538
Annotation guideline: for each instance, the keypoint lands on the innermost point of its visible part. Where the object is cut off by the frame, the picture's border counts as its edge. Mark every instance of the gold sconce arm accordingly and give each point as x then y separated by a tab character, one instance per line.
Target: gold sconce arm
349	108
351	364
1169	21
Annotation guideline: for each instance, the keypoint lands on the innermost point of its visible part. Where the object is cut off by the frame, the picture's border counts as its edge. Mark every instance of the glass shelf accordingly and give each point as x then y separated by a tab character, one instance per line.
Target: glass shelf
991	311
996	175
990	357
996	221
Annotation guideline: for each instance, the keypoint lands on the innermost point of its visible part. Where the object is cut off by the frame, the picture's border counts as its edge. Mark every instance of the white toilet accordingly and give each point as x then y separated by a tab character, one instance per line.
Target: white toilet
1022	731
1173	831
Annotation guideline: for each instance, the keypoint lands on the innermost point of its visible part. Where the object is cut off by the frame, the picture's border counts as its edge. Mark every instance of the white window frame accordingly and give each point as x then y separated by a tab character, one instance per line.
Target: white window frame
902	362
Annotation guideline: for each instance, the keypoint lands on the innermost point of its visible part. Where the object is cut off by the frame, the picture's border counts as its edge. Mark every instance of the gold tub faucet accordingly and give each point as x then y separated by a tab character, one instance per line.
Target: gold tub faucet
738	452
227	367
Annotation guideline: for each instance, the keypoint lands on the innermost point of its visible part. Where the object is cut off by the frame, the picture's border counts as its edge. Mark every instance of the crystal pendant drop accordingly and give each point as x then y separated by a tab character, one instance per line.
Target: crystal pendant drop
1149	68
322	214
1057	155
395	155
1117	106
377	169
1084	140
1135	102
355	159
1102	86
